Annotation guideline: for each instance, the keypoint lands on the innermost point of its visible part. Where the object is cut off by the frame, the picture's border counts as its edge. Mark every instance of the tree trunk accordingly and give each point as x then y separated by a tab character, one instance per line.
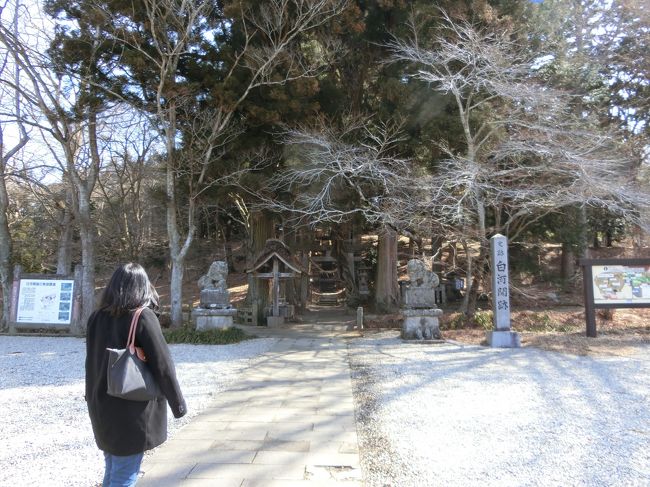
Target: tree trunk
64	251
345	261
227	246
176	292
84	190
291	293
469	281
177	258
473	281
6	272
386	287
87	237
176	287
476	269
177	252
436	253
258	289
583	226
476	276
567	262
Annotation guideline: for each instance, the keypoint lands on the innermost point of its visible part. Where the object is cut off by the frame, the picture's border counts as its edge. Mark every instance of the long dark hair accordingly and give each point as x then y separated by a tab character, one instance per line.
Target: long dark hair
128	289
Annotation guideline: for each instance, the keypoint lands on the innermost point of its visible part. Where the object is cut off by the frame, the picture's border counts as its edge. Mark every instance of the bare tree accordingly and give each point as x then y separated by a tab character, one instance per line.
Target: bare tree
10	100
524	155
75	132
333	176
270	31
125	187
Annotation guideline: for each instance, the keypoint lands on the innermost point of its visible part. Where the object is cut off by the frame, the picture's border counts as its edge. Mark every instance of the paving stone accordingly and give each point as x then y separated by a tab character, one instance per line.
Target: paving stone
330	447
224	471
161	482
287	422
280	445
333	459
166	469
181	445
288	458
238	445
299	483
199	431
329	473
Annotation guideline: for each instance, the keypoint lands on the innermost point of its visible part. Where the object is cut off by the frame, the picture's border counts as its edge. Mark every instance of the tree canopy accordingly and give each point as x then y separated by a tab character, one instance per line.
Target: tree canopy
448	120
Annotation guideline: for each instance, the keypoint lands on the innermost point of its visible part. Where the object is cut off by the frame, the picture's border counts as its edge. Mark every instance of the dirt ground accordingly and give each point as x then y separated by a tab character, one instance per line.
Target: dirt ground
547	326
564	330
545	315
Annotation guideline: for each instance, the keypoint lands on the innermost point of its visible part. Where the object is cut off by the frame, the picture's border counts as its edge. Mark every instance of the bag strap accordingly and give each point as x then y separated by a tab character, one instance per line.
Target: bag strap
130	342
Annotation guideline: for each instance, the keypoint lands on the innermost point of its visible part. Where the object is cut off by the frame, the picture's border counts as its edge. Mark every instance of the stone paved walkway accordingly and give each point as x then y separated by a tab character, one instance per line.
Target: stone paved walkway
289	421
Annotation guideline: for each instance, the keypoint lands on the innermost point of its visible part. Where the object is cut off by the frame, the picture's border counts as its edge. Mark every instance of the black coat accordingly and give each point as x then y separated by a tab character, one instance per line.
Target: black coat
124	427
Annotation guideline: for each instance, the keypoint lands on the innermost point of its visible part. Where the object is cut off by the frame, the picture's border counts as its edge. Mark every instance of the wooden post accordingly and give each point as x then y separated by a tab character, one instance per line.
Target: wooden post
590	309
18	270
276	288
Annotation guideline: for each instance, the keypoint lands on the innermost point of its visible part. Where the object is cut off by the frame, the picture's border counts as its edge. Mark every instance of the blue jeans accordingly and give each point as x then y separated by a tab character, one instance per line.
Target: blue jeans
121	471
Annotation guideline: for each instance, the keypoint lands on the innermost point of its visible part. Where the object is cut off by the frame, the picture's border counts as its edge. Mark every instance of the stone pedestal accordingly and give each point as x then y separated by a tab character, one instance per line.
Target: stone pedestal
215	298
285	310
211	319
274	321
418	297
421	324
503	339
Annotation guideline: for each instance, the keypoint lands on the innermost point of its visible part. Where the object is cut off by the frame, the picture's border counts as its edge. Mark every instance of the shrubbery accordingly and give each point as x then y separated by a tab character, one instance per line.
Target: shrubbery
208	337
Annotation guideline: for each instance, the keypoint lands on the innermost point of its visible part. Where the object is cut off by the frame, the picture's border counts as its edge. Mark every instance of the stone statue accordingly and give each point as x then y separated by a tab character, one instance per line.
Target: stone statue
420	276
419	291
216	277
420	313
214	289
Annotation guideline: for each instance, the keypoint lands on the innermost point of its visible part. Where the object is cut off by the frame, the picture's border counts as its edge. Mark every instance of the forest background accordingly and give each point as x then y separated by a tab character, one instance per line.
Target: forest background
171	132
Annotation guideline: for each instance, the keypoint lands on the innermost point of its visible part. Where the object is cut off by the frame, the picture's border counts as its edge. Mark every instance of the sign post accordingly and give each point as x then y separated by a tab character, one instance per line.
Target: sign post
614	283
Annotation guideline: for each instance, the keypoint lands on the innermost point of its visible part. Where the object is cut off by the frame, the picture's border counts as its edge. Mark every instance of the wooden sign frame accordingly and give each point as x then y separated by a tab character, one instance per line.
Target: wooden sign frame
63	296
589	294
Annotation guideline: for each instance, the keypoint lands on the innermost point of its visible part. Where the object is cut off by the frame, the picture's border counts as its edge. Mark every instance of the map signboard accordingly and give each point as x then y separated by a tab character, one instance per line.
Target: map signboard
621	284
45	301
614	283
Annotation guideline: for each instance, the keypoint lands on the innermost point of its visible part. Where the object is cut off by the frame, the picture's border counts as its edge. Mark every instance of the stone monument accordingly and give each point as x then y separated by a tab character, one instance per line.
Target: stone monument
501	336
214	309
419	307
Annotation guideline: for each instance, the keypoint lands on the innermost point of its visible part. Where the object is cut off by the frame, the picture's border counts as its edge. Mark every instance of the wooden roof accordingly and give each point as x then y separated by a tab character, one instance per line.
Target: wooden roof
276	248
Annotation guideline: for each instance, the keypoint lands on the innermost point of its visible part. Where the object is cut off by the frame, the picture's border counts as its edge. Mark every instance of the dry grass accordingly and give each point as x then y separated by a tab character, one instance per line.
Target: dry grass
564	330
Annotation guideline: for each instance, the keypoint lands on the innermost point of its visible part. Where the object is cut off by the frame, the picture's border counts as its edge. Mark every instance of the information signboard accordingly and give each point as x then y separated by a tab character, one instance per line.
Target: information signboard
617	284
45	301
614	283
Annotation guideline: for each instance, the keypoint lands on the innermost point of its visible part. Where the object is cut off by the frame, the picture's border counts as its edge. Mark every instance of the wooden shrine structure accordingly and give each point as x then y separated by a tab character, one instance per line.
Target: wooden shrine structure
276	263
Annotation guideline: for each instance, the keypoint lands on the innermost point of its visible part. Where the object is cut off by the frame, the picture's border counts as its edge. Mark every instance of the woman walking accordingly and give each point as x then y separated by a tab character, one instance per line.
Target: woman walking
124	429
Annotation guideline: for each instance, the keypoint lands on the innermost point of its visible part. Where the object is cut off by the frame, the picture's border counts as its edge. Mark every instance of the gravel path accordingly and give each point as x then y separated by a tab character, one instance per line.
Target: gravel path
454	415
45	433
428	415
